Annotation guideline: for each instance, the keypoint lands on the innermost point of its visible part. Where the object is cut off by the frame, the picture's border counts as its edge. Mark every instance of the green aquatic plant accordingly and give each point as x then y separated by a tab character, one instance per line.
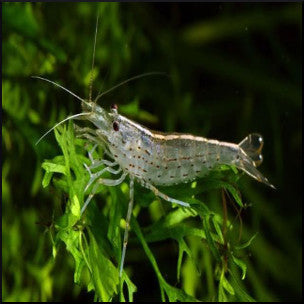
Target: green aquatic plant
231	73
94	239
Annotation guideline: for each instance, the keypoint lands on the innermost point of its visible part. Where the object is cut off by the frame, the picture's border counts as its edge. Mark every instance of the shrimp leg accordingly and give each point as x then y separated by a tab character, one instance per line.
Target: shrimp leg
164	196
82	130
89	137
96	164
128	218
94	176
106	182
90	134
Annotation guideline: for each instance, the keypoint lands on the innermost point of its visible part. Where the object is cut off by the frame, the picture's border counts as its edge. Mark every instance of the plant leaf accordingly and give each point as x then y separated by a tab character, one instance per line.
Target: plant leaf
239	247
241	264
104	274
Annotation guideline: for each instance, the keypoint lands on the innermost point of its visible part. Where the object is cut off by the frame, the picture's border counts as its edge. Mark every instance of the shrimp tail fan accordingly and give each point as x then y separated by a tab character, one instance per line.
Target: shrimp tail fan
252	146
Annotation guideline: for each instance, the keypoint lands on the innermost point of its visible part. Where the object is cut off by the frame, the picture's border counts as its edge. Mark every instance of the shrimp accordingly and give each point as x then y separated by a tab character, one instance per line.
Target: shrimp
165	159
158	159
153	158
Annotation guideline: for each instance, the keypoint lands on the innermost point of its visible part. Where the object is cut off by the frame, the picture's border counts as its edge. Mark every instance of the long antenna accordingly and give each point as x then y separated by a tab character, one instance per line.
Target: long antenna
58	85
128	80
59	123
93	59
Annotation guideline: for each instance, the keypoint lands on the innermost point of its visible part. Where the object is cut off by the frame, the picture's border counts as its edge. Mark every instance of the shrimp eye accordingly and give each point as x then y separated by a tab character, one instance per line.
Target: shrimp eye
115	126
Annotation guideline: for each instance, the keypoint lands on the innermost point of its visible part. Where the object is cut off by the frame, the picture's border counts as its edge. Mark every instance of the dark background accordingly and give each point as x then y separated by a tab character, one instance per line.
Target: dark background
233	69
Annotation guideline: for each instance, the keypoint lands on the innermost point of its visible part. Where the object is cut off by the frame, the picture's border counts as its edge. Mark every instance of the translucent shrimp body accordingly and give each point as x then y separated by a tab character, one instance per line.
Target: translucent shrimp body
161	159
164	159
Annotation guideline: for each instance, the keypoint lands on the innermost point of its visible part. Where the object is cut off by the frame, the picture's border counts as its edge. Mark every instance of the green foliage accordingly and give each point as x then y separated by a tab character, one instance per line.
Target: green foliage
93	244
233	69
